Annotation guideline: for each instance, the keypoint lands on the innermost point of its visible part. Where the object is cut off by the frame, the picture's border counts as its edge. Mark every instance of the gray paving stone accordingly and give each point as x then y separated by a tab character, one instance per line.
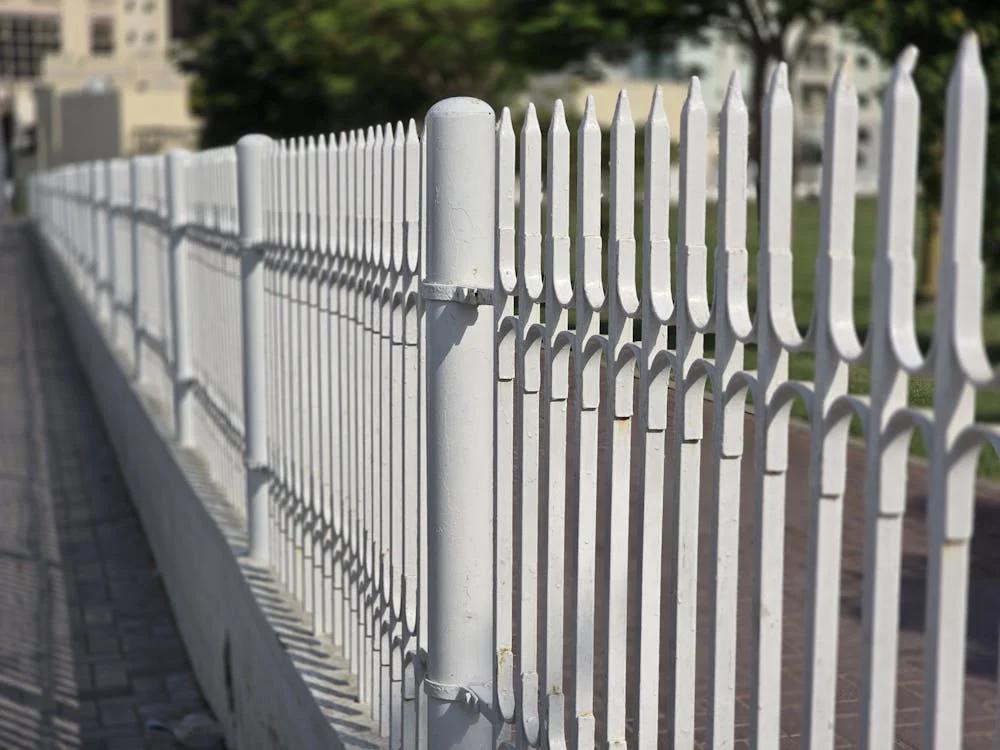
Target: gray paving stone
85	625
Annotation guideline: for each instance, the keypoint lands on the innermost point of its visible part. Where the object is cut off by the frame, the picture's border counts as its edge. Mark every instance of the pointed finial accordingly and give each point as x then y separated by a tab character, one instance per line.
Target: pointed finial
589	121
411	131
694	98
623	111
559	117
734	92
907	60
843	81
968	50
400	132
531	119
779	78
656	111
505	123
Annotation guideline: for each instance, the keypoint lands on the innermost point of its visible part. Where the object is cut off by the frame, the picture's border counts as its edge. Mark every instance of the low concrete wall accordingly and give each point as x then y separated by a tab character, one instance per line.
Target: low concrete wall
245	671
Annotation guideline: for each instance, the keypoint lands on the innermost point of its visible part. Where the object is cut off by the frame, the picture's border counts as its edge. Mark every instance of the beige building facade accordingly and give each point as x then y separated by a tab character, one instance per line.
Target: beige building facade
109	58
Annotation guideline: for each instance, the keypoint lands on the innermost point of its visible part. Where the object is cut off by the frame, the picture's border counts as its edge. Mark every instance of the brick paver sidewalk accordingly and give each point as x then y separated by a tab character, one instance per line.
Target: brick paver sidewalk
89	651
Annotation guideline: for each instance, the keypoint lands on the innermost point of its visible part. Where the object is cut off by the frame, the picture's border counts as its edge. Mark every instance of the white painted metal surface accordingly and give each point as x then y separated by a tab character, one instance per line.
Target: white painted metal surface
503	541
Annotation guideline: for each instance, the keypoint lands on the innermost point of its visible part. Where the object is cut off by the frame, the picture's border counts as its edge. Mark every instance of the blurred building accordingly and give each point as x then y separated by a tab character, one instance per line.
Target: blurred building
90	78
713	59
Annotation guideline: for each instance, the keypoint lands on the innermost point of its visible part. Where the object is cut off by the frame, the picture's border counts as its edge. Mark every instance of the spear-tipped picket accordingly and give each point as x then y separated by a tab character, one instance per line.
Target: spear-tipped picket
732	326
657	310
358	196
530	297
323	193
959	364
893	276
531	217
657	294
284	189
506	189
590	300
775	261
312	194
558	281
623	304
962	207
732	261
623	298
588	180
371	209
339	165
775	325
301	194
505	286
834	264
691	315
558	296
398	197
411	197
836	345
383	186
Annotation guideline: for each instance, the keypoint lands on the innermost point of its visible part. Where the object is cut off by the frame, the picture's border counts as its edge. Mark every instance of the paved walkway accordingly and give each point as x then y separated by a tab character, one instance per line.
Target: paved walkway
89	651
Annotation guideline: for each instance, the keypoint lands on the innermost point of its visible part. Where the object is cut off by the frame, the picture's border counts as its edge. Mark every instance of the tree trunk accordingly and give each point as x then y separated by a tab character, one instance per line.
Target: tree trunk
931	260
760	55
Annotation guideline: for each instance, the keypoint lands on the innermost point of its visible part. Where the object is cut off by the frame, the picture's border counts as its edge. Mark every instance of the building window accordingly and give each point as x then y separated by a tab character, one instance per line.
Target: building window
102	36
814	96
816	56
812	153
24	41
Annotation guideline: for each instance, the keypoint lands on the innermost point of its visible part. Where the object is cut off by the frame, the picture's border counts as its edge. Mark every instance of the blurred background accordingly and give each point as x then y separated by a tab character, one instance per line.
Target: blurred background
84	79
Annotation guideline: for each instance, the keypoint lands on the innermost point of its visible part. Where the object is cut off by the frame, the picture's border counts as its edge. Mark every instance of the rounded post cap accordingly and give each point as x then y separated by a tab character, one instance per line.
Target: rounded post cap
253	142
460	106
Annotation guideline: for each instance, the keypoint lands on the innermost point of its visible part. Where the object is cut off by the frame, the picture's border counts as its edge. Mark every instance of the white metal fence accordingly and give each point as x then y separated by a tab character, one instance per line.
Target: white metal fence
427	477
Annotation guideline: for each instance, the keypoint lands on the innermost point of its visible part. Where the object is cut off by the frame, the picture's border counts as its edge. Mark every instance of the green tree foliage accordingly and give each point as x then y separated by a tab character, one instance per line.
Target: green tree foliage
935	27
285	67
289	66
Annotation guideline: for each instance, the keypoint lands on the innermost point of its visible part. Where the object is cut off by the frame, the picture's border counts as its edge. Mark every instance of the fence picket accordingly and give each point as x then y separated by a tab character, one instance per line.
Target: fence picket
589	357
732	328
691	319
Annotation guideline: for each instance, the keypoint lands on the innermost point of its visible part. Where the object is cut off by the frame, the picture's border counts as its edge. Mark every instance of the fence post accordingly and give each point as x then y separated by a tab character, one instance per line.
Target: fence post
99	178
460	425
133	187
251	151
88	210
177	160
112	250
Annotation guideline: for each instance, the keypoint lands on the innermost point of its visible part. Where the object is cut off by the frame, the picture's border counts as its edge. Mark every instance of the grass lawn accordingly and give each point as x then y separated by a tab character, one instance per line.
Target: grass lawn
805	245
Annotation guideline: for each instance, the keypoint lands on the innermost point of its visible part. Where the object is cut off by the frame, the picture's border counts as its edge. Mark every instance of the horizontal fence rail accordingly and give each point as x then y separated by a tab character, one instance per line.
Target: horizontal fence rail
462	401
